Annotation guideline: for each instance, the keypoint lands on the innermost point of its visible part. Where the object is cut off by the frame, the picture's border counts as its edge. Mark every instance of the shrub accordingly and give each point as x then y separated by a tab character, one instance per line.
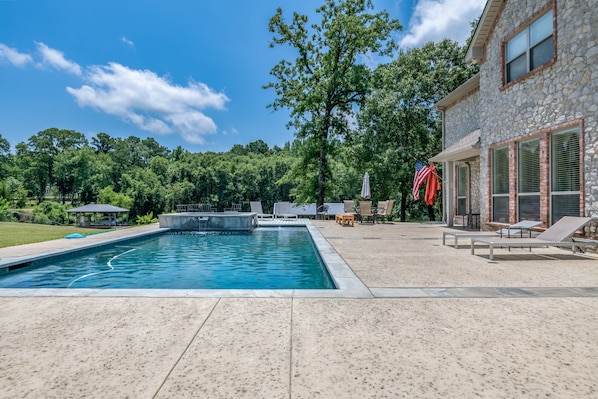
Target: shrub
146	219
49	213
4	213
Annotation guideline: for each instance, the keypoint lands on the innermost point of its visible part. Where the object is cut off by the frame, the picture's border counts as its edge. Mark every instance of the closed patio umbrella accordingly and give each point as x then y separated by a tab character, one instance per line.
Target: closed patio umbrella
365	187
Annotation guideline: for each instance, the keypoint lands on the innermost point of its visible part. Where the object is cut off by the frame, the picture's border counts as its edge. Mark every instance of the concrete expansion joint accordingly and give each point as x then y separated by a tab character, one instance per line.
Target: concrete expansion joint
483	292
291	348
184	351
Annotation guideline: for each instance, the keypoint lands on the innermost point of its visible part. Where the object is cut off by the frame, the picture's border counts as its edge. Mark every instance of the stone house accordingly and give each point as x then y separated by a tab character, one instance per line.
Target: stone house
520	138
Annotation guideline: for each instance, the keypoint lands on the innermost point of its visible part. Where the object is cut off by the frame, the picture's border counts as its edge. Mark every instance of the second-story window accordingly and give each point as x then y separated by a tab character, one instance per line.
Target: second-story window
530	48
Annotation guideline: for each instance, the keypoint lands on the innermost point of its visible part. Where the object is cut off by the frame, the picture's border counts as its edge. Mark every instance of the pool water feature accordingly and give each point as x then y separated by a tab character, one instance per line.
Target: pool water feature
267	258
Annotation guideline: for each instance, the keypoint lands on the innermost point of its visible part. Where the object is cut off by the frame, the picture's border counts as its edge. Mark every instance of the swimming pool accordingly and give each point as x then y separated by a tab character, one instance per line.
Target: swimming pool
267	258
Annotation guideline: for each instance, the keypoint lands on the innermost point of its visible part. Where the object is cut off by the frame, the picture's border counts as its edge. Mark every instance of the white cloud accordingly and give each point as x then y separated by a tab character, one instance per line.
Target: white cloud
149	101
435	20
55	59
127	41
13	56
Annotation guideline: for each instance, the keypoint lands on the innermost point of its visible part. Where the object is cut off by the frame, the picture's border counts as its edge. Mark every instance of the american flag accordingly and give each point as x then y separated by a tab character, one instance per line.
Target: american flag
421	174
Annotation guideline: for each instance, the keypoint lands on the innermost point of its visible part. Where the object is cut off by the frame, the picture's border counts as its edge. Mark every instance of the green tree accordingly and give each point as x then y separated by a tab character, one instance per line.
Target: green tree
399	123
73	169
179	193
327	79
101	174
258	147
148	194
40	153
12	189
107	195
5	158
103	143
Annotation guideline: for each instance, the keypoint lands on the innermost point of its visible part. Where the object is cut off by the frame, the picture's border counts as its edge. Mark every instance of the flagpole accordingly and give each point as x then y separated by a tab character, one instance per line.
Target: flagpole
439	178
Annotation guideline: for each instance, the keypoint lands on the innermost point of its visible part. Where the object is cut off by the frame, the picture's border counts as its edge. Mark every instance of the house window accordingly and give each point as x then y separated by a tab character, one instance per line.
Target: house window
530	48
500	184
528	179
565	175
462	190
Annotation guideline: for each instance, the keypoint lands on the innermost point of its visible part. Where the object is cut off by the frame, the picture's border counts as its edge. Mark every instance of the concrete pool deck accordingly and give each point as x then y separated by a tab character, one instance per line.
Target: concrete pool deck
439	323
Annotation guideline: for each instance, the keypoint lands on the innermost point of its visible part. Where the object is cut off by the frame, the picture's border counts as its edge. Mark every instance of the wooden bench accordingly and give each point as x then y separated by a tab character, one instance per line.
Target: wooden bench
345	219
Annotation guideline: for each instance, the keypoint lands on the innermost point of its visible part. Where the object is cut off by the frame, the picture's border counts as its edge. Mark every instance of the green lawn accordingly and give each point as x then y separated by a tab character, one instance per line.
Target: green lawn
26	233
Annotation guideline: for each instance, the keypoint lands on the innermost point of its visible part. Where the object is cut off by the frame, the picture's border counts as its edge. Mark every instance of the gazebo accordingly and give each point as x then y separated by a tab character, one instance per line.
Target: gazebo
104	215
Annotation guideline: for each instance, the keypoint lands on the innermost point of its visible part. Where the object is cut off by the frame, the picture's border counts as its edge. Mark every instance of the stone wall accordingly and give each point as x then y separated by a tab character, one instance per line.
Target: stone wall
561	94
461	118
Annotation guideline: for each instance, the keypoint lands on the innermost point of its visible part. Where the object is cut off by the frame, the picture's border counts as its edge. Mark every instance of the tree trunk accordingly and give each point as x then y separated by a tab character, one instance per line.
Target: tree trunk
403	207
322	163
431	214
321	176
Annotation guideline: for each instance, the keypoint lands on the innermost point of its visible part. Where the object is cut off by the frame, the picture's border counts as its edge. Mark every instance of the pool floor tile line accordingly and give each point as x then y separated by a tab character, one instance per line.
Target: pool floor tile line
485	292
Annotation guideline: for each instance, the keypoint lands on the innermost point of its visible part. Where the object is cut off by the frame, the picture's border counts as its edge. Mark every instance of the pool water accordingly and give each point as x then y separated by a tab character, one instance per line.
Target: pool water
266	258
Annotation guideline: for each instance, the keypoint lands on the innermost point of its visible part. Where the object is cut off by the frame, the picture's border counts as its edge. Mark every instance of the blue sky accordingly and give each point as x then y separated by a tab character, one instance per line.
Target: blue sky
185	72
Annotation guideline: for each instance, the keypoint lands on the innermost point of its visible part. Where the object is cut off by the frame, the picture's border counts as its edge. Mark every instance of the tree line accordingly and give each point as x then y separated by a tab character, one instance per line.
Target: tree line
138	174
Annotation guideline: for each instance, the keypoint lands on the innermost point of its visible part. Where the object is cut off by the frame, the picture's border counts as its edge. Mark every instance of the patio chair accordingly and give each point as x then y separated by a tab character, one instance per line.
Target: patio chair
381	210
557	235
322	212
365	211
349	206
207	208
387	214
233	208
384	209
283	210
256	207
514	230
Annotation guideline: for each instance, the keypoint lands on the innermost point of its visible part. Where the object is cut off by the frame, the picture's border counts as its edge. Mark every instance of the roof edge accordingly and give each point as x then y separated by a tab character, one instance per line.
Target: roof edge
469	85
467	147
475	50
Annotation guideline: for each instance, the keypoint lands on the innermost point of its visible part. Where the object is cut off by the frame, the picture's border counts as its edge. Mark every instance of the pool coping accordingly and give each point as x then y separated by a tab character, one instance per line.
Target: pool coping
347	283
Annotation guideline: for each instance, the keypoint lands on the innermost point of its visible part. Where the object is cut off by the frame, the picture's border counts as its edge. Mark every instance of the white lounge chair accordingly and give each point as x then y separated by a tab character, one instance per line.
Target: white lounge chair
330	209
514	230
283	210
557	235
256	207
303	210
